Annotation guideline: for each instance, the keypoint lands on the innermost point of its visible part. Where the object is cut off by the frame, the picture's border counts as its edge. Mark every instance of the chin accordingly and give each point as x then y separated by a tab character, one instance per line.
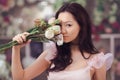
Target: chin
69	40
66	41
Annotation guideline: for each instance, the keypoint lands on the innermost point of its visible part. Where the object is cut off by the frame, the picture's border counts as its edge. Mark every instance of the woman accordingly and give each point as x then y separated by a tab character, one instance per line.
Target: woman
76	59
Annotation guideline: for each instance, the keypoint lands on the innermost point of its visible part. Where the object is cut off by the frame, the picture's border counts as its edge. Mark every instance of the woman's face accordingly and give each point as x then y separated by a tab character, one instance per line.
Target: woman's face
69	26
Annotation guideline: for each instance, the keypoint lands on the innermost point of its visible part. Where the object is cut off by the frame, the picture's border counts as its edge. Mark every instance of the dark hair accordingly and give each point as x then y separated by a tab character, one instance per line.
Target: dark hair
63	58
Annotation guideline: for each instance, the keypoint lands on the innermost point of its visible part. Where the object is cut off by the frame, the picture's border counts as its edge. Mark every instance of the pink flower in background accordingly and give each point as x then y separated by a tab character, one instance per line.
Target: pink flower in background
4	2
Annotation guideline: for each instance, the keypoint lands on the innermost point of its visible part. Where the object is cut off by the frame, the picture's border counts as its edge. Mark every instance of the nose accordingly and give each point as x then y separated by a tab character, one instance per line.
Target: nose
63	30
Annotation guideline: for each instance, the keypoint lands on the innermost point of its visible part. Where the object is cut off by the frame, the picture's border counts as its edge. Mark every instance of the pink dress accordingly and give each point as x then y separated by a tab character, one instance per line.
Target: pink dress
81	74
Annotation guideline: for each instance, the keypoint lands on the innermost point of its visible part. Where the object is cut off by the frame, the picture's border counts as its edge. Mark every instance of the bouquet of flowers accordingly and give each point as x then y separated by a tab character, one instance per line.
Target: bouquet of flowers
41	32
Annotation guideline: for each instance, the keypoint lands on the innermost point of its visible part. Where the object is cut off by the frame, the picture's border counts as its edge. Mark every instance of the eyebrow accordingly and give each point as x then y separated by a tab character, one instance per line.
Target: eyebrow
66	21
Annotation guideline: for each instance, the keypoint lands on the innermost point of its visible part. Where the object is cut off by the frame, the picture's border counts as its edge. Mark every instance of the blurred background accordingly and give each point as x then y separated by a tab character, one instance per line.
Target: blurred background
17	16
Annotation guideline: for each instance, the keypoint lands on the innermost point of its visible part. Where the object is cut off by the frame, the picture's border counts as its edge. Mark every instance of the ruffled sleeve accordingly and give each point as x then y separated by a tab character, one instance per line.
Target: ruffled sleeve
51	50
99	59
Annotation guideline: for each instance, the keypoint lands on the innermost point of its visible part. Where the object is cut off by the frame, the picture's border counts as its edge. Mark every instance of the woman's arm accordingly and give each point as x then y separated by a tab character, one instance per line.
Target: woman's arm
35	69
100	74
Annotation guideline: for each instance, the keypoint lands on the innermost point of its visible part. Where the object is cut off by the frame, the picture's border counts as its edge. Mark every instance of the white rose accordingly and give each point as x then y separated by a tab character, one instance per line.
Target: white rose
49	33
56	29
60	39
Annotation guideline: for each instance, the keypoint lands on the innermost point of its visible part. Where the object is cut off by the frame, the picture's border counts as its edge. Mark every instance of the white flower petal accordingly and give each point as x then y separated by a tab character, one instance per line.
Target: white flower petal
49	34
60	39
59	43
56	29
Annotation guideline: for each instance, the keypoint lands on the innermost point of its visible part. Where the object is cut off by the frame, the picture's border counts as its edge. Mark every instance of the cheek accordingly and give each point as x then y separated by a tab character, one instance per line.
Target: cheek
75	32
72	35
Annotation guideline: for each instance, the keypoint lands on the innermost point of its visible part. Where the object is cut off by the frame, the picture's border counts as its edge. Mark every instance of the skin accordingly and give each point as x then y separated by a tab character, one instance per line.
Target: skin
69	27
70	30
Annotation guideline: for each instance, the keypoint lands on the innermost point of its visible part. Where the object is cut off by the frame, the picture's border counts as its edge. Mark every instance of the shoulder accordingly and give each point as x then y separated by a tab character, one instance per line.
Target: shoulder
101	59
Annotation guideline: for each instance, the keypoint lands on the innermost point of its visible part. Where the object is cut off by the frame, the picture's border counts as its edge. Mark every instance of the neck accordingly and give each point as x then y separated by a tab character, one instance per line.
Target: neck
74	47
75	42
75	53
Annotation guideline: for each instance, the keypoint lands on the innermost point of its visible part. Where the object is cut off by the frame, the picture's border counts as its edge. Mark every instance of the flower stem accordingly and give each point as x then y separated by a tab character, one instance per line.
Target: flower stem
8	45
12	43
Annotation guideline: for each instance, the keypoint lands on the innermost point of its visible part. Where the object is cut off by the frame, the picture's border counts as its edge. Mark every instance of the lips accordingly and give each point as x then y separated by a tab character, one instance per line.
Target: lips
65	35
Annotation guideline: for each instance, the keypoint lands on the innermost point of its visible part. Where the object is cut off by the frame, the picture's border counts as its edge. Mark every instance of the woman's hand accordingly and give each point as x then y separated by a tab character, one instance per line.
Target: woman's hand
21	39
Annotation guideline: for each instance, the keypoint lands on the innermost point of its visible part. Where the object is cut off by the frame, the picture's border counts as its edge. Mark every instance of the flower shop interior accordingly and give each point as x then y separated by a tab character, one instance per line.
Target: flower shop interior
17	16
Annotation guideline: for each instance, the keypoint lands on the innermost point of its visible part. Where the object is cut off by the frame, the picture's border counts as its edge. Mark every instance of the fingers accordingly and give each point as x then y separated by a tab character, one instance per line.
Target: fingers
26	34
21	38
28	41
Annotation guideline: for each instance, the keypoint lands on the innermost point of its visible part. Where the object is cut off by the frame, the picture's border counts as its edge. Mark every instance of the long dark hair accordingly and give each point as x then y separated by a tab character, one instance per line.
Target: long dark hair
63	58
